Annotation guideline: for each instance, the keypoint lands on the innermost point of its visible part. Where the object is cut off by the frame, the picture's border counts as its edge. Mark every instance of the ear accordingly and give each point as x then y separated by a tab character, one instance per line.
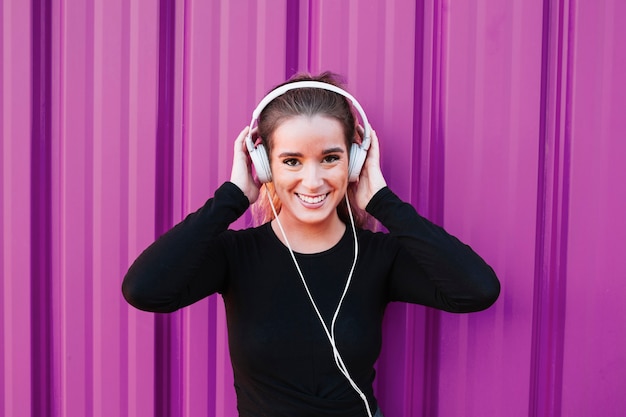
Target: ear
359	132
261	163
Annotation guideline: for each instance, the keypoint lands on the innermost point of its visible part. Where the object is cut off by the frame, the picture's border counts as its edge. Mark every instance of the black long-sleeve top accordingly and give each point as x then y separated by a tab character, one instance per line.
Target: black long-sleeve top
282	361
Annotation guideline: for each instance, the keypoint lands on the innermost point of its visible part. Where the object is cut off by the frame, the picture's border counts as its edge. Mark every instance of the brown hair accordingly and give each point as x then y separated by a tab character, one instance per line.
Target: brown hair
307	102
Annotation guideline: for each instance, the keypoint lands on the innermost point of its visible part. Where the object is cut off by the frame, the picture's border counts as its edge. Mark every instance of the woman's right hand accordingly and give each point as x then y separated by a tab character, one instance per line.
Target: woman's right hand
241	172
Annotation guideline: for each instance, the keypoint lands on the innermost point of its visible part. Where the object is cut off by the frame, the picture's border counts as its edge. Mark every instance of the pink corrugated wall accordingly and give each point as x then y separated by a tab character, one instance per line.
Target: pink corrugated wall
501	120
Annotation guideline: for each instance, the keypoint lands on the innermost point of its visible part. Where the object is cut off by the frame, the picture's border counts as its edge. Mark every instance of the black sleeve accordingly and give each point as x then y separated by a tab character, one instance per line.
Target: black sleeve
433	268
185	264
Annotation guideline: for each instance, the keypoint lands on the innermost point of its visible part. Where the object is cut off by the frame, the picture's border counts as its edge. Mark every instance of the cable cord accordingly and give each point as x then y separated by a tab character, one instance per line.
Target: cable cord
330	334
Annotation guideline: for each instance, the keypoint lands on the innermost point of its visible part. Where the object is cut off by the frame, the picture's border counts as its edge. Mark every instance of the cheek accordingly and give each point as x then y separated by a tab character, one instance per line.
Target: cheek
283	179
341	174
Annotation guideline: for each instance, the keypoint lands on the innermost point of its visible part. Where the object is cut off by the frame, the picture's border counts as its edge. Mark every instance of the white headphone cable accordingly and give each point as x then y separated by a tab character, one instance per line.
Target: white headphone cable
329	334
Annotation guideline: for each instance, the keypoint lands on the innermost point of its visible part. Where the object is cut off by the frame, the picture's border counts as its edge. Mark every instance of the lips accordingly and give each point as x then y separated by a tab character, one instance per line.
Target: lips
312	199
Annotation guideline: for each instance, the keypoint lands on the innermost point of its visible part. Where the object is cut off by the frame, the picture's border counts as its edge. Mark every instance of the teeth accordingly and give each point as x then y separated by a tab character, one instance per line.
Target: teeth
311	200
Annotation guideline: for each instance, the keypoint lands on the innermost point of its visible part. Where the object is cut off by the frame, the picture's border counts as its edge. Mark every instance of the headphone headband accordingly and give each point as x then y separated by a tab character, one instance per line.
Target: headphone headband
357	153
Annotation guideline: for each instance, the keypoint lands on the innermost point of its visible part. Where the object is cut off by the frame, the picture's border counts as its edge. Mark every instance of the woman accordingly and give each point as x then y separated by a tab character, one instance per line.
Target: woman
305	291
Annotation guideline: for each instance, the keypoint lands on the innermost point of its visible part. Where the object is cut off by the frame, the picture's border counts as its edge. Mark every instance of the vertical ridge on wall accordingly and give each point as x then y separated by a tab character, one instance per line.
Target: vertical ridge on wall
109	193
56	87
15	208
551	246
310	20
292	37
167	378
198	382
88	95
431	181
3	174
73	207
41	285
165	134
140	340
125	98
420	389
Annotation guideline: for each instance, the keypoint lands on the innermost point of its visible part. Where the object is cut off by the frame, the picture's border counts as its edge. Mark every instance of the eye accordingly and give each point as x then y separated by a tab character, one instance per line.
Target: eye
292	162
329	159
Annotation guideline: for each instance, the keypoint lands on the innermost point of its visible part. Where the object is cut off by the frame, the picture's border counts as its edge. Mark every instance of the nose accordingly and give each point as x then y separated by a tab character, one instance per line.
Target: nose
312	176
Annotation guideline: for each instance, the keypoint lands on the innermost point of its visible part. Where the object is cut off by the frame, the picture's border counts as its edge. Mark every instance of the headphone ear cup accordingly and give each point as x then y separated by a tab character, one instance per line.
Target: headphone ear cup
357	159
261	163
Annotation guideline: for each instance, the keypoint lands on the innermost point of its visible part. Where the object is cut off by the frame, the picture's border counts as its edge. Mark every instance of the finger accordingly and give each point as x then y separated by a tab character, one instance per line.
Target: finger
240	142
373	139
373	134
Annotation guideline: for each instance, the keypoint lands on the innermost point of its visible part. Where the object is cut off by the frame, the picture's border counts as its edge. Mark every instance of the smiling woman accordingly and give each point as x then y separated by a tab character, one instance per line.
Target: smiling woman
308	103
306	290
309	162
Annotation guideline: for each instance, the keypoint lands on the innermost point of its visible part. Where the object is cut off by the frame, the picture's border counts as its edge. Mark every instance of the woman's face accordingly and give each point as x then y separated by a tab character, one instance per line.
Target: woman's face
309	162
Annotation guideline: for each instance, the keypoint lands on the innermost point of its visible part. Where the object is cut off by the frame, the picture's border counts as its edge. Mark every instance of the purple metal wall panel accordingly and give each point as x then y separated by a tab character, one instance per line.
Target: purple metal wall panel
492	86
500	120
104	73
595	320
16	397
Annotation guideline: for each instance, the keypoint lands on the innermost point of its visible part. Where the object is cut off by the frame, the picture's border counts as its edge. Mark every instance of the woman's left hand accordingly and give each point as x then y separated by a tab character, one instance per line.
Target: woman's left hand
371	179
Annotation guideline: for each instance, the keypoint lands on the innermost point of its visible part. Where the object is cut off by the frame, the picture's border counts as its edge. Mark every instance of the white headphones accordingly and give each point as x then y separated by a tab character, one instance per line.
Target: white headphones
259	156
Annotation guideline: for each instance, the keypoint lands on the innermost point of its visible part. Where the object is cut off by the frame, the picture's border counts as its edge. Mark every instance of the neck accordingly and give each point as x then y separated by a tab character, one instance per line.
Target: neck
309	238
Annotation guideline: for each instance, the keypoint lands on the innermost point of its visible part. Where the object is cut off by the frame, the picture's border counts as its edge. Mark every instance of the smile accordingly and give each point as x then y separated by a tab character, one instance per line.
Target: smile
312	200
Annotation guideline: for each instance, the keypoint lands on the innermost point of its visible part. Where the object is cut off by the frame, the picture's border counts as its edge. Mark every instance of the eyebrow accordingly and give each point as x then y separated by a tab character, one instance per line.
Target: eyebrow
337	149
